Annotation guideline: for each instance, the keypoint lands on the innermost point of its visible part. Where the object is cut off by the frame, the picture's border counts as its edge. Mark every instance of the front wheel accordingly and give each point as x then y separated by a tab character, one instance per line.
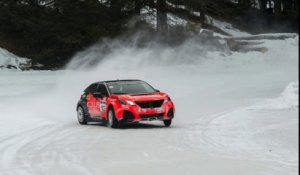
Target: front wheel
112	122
167	123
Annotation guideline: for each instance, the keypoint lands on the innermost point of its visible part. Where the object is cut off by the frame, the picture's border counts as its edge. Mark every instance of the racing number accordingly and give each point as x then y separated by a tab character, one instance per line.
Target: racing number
103	105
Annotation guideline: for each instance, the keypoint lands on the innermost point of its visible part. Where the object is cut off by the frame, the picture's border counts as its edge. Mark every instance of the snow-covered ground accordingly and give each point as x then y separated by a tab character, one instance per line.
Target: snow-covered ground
9	60
236	114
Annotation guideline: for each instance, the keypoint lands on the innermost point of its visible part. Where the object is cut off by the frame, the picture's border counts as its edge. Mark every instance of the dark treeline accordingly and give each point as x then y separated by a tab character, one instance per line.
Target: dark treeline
51	31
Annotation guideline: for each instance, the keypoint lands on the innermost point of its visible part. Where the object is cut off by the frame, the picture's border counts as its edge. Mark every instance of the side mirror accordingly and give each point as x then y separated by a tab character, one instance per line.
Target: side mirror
97	94
156	90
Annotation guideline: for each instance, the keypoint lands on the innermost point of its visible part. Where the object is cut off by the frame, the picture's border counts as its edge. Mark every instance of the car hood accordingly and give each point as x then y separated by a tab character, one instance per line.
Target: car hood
143	97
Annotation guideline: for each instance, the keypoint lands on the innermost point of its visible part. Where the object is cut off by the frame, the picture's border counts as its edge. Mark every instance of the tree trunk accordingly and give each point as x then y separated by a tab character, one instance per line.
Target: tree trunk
263	5
244	3
296	9
277	7
115	5
137	7
162	25
287	6
240	2
151	3
247	4
202	11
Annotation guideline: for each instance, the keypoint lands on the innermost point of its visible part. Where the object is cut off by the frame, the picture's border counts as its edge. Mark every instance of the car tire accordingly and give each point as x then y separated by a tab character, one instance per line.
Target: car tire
81	116
112	121
167	123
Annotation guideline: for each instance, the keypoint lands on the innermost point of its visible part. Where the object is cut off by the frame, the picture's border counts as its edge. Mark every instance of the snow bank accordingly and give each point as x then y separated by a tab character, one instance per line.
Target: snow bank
288	99
10	61
226	27
174	20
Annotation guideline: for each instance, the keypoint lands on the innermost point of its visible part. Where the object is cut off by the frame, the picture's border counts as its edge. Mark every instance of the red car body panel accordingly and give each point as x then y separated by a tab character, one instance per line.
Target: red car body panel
98	107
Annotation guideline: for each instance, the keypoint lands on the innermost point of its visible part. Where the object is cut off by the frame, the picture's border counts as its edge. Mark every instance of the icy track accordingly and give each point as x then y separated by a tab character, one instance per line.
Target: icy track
236	115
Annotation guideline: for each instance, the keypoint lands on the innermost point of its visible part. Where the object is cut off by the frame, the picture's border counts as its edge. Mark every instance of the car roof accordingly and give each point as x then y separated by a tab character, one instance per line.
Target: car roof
117	81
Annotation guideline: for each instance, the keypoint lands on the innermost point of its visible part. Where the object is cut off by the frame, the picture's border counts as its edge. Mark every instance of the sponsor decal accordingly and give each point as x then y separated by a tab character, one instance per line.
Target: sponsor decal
103	105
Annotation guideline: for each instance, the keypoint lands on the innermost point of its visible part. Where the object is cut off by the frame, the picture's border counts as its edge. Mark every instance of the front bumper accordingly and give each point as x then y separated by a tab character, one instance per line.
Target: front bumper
134	113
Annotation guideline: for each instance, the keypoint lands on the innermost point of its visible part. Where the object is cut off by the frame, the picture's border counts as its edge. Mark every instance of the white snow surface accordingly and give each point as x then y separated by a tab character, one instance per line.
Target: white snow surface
9	59
235	115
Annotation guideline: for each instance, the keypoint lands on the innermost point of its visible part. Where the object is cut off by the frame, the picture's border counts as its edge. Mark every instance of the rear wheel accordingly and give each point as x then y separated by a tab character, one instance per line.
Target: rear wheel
112	122
167	123
81	116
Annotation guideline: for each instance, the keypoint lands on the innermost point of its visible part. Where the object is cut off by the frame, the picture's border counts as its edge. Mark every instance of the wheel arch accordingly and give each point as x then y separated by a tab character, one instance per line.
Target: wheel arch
78	105
84	107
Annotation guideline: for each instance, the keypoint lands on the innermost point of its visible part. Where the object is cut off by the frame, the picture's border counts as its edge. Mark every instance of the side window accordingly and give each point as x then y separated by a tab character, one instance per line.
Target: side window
101	88
92	88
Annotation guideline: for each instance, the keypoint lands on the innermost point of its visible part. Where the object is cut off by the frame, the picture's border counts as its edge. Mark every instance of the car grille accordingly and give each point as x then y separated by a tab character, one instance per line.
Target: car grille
150	104
151	116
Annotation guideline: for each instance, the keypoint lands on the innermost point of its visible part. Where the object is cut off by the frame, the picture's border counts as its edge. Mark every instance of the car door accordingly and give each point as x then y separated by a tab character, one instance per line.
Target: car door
91	100
101	108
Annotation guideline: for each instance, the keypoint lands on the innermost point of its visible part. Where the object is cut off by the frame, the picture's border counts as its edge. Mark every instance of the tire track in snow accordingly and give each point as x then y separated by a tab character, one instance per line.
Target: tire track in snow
213	136
195	137
11	144
33	151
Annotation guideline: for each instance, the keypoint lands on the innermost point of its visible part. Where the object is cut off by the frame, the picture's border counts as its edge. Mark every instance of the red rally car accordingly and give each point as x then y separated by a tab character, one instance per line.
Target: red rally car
124	101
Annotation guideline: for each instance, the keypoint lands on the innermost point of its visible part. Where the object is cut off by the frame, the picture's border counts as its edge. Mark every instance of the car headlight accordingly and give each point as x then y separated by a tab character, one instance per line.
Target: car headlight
130	103
124	102
166	100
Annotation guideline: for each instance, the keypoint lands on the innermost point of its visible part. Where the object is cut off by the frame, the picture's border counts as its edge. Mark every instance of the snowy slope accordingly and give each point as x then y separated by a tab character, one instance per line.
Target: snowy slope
236	114
10	61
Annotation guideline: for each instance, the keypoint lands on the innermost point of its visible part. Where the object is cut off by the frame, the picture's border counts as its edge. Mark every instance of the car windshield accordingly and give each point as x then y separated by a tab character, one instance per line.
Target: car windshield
135	87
